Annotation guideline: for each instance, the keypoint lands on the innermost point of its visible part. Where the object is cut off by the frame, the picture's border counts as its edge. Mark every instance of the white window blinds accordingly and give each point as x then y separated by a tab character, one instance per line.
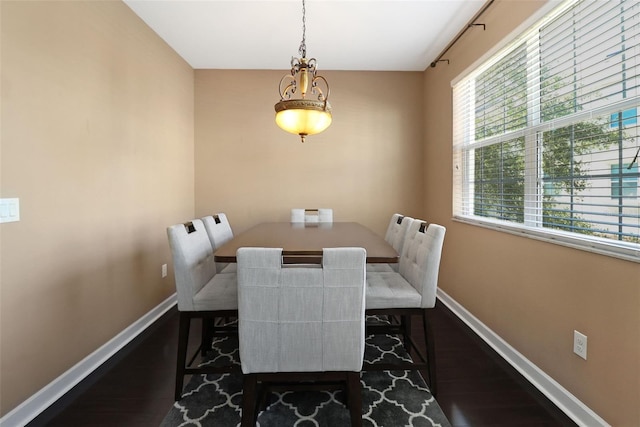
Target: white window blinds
546	131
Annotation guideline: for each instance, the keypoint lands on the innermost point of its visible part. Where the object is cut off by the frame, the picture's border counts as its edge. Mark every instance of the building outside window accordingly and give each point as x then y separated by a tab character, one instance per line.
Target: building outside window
624	181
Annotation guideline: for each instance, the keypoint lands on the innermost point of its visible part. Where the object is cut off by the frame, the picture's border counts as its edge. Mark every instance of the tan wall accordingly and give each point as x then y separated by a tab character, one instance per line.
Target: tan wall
97	142
534	294
366	166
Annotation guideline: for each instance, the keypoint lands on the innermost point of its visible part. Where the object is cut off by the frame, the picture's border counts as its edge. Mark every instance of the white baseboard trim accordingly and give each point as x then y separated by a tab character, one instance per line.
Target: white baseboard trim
36	404
561	397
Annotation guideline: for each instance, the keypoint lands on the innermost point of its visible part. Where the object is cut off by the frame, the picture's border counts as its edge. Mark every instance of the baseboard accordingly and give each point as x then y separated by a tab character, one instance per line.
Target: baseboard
36	404
561	397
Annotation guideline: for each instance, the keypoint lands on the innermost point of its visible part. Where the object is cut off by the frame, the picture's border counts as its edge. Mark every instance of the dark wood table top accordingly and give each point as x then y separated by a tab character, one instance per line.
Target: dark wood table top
303	243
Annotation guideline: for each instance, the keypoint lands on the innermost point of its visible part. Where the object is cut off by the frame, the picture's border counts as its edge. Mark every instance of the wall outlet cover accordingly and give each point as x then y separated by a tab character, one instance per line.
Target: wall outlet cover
580	344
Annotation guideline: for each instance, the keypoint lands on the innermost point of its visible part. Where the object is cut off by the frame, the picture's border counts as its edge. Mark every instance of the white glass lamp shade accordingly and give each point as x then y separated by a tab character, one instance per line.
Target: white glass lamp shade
302	116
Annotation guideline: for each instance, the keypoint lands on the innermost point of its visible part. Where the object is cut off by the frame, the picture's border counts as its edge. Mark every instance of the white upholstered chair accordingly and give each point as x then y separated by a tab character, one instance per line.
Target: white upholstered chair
301	323
297	215
220	232
201	292
410	291
395	236
323	215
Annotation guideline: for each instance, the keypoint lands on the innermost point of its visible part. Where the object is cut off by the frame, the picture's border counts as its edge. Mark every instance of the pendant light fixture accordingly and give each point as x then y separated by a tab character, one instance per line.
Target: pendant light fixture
303	116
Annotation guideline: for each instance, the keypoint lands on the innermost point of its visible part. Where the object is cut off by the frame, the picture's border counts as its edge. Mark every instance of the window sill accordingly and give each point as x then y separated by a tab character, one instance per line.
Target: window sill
625	251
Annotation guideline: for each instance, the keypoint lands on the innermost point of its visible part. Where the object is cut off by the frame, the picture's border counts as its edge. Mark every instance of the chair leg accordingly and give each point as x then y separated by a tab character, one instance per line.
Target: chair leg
406	332
183	341
354	398
263	398
208	326
249	413
431	354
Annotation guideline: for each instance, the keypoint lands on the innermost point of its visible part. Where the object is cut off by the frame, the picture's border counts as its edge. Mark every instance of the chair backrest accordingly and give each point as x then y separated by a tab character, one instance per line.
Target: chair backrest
397	231
311	215
420	259
297	215
325	215
218	229
193	262
301	318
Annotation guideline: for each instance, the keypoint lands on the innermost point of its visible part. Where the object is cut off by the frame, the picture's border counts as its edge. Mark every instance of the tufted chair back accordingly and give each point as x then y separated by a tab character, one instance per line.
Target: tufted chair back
420	259
193	262
219	232
322	215
306	318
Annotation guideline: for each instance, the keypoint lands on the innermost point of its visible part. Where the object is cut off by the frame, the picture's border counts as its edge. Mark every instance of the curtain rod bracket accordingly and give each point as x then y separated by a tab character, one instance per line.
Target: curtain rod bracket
471	23
434	63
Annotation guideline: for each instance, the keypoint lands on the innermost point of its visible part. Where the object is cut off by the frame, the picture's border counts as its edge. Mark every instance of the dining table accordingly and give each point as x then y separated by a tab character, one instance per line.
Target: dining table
302	243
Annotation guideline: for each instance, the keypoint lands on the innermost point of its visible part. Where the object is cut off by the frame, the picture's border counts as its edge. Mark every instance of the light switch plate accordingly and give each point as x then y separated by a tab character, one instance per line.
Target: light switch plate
9	210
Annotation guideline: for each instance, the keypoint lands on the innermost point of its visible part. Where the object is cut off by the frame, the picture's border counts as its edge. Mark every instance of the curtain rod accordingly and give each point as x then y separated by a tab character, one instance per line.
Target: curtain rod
470	24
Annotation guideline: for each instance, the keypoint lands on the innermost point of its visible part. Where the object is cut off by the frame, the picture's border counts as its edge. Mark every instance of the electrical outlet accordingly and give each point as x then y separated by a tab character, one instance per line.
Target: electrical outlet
164	270
580	344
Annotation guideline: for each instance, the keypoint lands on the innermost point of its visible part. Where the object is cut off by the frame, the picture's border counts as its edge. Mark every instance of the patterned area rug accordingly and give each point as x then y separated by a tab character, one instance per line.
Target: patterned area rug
389	398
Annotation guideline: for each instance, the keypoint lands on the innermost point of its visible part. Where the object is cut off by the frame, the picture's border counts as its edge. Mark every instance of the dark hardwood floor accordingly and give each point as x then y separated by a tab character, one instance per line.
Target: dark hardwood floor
475	386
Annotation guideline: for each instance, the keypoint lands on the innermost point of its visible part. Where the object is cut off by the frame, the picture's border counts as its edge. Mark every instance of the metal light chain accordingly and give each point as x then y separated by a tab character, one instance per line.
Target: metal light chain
302	50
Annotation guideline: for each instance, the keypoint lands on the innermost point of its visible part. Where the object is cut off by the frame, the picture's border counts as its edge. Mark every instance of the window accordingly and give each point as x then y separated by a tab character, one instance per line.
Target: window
629	117
541	128
624	181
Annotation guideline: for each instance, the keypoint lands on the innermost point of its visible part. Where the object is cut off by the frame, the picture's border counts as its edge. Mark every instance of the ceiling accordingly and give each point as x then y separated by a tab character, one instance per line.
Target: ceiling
365	35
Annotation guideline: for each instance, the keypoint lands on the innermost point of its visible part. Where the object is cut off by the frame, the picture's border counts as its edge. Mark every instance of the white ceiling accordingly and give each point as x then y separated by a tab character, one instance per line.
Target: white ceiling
367	35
